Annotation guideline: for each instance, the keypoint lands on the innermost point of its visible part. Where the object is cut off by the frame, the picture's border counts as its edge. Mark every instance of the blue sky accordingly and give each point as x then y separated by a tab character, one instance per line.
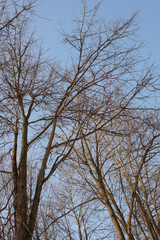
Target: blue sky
62	12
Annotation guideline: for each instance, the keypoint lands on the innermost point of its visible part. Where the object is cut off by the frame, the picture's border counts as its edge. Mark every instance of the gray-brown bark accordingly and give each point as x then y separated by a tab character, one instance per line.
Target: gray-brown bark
15	172
53	115
21	211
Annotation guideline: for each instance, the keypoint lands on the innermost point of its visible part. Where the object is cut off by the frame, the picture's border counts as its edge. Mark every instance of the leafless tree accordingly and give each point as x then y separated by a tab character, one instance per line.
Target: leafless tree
78	215
123	171
45	110
10	11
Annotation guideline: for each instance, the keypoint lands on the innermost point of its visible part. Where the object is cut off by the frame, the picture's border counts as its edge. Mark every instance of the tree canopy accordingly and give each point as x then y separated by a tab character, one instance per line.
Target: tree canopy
79	144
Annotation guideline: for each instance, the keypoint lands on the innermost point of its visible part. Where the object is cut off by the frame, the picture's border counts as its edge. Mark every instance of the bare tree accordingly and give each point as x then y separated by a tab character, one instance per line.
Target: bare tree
12	9
79	214
123	171
45	109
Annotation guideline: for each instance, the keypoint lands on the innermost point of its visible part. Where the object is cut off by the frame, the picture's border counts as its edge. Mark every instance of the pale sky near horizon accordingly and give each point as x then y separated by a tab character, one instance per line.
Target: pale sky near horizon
62	12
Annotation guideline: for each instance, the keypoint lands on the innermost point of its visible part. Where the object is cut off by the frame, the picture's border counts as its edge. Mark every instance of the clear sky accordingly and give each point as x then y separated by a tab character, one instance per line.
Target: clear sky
62	12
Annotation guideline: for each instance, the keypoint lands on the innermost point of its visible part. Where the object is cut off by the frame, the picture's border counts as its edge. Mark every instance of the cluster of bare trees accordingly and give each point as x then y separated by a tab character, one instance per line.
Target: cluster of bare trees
79	145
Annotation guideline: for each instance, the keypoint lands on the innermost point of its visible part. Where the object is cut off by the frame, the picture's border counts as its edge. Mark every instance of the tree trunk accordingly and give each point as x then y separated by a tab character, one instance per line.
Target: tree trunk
21	213
15	172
